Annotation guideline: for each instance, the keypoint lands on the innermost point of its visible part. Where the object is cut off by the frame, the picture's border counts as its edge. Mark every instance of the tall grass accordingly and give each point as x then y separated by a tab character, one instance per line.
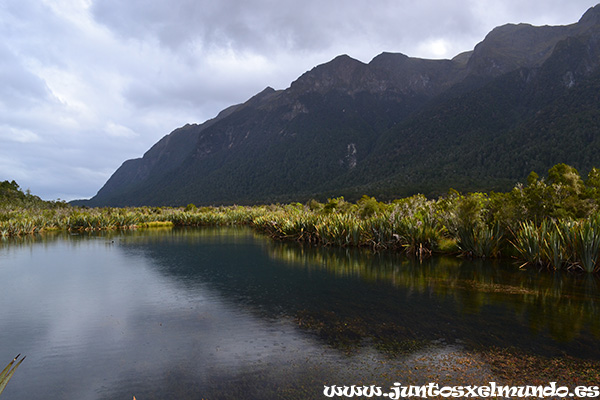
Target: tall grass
414	225
379	230
419	236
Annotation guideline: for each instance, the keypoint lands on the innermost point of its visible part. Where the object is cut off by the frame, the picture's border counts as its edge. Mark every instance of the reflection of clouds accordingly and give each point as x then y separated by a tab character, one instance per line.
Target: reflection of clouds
81	314
101	315
99	319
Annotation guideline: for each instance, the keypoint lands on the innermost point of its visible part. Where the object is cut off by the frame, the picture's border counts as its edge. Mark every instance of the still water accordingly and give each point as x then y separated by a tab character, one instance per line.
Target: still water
226	313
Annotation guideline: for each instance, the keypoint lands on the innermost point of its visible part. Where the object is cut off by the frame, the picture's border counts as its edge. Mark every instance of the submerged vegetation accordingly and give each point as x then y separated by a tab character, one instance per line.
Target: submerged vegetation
551	223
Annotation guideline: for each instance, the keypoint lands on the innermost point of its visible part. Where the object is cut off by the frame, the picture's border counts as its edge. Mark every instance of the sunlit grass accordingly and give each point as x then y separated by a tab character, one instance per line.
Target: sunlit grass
416	226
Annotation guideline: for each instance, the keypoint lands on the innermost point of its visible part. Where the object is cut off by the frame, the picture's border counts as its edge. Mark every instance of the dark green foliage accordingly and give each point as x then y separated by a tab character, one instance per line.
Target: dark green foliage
191	207
12	196
11	193
467	219
369	206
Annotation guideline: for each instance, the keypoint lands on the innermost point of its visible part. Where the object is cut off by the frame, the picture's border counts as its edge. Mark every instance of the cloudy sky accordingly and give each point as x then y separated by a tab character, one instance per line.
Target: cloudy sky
88	84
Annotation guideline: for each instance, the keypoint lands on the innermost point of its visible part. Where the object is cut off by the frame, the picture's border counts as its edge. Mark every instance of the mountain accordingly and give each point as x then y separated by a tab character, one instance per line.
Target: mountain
523	99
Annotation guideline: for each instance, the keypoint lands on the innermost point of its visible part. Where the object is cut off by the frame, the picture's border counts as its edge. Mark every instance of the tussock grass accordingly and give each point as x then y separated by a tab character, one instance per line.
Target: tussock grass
468	225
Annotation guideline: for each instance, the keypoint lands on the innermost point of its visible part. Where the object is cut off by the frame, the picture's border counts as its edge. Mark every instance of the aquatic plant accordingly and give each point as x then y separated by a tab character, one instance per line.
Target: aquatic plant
8	372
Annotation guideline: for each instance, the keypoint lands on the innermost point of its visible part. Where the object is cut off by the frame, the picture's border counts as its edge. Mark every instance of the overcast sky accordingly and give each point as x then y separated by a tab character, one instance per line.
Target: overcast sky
88	84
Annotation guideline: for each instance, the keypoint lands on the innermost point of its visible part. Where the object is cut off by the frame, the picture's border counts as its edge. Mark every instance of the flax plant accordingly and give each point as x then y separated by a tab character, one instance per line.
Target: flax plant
584	238
559	244
419	236
339	229
473	224
480	240
380	231
528	243
543	245
554	246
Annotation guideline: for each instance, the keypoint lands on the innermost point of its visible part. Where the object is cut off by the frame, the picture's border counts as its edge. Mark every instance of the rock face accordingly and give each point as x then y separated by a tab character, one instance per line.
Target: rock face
525	98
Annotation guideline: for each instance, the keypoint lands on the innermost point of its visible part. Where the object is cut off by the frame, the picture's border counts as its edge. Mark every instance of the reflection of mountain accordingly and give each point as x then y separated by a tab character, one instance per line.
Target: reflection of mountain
347	296
563	304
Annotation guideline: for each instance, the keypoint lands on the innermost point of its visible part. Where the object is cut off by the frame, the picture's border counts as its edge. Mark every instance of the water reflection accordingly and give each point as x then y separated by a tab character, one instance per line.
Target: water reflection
208	312
348	295
563	304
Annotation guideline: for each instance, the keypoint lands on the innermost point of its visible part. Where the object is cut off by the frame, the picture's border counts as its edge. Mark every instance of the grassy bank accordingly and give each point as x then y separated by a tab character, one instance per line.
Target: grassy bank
551	223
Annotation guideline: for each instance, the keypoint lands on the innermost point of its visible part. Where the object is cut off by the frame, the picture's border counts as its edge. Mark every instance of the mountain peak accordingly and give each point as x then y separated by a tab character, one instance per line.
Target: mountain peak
385	59
513	46
591	16
343	61
342	71
342	58
266	93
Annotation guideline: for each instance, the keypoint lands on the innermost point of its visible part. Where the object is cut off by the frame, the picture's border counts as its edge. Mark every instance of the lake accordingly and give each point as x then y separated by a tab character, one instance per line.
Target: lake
227	313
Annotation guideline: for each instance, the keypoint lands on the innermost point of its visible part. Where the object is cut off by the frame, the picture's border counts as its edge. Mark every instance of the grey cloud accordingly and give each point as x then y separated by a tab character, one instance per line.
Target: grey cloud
263	25
181	94
359	27
20	88
241	25
32	28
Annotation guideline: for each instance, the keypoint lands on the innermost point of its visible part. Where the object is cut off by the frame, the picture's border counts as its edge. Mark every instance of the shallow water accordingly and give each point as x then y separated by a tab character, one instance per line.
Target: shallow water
226	313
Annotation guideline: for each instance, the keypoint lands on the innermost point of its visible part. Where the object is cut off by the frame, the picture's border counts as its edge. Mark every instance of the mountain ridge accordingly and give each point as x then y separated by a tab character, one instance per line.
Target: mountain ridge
391	127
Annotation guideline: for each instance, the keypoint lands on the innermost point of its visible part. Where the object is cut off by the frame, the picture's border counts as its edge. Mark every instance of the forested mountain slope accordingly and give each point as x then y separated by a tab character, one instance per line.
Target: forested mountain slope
526	98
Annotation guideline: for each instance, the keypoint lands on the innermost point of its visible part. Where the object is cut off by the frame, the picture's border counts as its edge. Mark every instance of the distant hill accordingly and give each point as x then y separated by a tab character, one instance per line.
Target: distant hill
526	98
